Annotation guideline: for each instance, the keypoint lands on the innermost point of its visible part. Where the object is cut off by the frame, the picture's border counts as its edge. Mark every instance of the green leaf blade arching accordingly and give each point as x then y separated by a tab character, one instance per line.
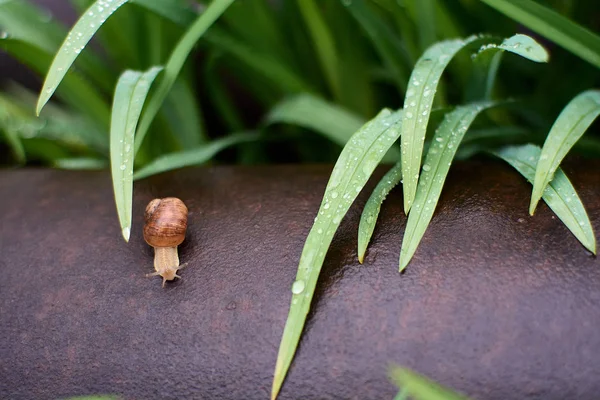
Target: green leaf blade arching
353	168
553	26
570	125
435	169
559	195
417	109
76	40
130	94
191	157
176	62
368	218
418	387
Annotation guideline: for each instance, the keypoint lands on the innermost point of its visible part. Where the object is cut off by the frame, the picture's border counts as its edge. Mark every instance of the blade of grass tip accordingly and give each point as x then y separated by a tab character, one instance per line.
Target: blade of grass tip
421	90
130	94
324	43
388	45
550	24
435	169
195	156
370	213
176	62
559	195
570	125
419	387
77	38
352	170
487	61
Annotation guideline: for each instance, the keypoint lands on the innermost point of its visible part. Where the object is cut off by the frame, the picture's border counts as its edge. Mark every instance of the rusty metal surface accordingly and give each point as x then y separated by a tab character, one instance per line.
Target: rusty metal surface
495	303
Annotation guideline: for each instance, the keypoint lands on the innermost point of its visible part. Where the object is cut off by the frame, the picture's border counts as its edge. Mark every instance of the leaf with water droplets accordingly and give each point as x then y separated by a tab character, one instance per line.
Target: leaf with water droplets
370	213
194	156
421	90
570	125
560	195
552	25
176	62
487	60
418	387
130	94
77	38
356	163
435	169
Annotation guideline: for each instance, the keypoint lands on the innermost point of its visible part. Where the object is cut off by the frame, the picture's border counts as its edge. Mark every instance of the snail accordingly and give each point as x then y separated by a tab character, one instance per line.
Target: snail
166	223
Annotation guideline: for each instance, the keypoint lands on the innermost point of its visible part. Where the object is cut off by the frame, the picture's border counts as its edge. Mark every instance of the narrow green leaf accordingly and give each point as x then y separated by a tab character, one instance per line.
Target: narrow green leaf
388	45
570	125
80	163
176	62
553	26
76	40
435	169
368	218
353	168
419	387
174	11
417	108
192	157
323	42
560	195
76	91
335	123
130	94
487	61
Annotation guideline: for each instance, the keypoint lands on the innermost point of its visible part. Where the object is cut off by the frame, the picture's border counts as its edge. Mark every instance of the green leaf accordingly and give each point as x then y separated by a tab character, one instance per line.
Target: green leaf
388	45
76	91
195	156
421	388
570	125
487	61
353	168
553	26
335	123
435	169
176	62
130	94
560	195
323	42
417	108
368	218
76	40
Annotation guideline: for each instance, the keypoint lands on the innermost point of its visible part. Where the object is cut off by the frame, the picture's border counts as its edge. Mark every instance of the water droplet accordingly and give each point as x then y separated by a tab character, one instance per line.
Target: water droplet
298	286
122	167
334	195
409	115
336	220
320	231
426	168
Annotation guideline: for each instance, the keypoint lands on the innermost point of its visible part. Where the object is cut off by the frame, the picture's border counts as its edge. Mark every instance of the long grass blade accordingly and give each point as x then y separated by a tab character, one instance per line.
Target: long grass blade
76	40
368	218
421	90
553	26
435	169
560	195
418	387
197	156
570	125
353	168
130	94
176	62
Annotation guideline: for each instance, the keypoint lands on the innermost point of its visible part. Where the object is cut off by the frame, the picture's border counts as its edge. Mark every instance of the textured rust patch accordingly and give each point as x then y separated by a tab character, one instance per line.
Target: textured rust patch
495	303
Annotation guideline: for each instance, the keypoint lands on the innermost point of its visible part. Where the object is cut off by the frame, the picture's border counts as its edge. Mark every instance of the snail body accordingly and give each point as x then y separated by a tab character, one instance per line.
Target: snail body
164	229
